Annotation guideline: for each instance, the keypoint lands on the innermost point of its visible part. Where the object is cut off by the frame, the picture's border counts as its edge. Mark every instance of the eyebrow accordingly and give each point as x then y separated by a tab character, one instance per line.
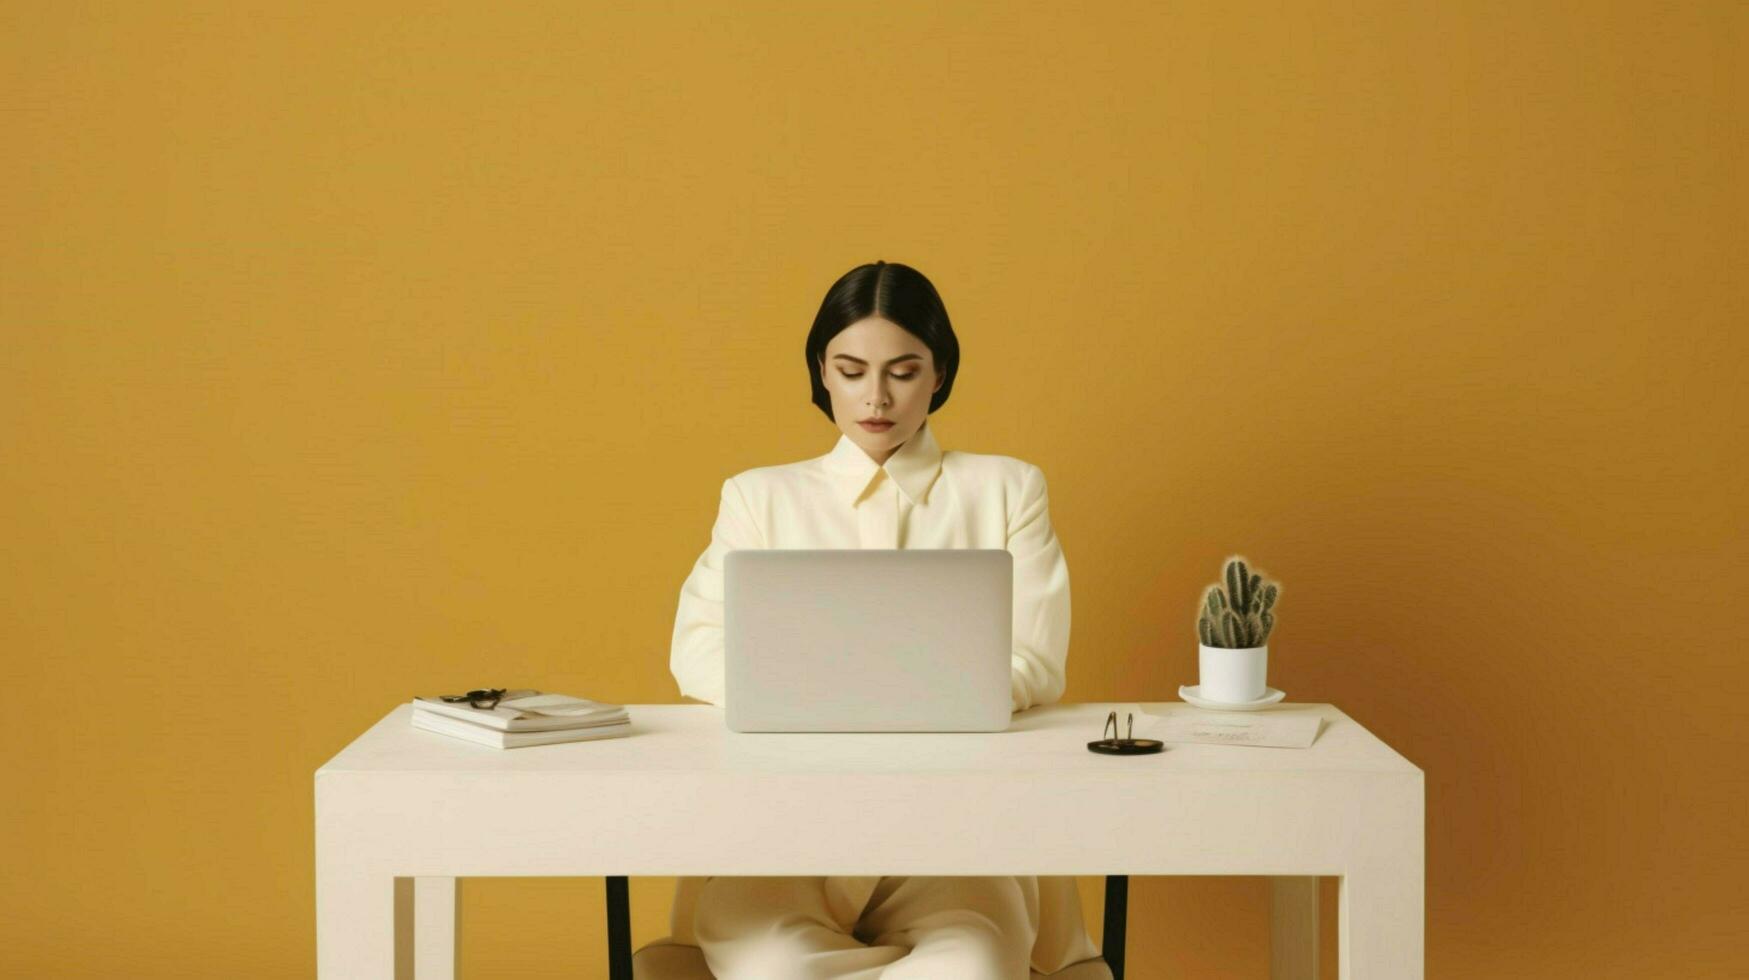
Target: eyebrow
902	357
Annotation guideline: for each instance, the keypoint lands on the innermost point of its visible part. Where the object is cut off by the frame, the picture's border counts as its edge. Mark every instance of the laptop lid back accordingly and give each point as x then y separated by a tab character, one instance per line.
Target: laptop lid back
868	640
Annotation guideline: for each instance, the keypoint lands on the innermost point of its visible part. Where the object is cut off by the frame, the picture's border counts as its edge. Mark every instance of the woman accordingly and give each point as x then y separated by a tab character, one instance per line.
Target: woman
882	356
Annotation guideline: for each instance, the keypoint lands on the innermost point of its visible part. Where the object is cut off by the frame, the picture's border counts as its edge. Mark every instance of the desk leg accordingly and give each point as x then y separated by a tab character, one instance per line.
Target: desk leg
1382	923
1293	928
426	927
356	934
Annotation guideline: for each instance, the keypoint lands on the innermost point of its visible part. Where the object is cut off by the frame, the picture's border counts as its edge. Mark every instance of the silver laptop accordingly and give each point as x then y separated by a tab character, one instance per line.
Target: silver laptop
868	640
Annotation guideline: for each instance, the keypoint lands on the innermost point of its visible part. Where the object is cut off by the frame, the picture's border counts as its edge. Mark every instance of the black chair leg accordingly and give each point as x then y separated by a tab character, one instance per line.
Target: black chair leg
1117	906
619	929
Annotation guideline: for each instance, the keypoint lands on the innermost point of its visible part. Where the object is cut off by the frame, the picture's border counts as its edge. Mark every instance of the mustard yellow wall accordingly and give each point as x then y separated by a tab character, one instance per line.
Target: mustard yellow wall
353	354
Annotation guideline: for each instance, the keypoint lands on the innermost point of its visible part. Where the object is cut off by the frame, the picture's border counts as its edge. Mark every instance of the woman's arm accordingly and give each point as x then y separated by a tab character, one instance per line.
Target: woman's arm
696	657
1041	598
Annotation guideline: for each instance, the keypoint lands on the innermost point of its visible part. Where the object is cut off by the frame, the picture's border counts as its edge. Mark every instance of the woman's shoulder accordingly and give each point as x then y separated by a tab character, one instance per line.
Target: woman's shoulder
761	480
1009	470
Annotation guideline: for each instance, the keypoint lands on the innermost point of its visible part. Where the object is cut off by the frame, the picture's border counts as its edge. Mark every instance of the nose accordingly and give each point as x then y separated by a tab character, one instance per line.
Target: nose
879	393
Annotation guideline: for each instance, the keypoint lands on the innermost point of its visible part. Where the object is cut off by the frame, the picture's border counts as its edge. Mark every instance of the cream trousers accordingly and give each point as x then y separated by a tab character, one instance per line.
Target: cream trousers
868	928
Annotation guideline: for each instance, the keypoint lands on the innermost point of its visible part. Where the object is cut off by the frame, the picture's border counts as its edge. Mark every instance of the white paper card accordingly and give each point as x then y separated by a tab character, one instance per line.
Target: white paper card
1286	731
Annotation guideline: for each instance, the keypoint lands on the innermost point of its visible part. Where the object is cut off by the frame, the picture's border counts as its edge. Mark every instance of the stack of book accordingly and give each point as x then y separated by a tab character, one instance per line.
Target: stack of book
522	717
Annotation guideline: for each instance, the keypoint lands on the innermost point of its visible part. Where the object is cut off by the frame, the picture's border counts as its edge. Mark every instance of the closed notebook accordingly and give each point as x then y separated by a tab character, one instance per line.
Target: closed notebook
443	724
529	711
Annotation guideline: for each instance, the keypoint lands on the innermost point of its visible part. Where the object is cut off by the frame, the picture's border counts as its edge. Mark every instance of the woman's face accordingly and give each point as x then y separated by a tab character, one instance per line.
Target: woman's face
876	369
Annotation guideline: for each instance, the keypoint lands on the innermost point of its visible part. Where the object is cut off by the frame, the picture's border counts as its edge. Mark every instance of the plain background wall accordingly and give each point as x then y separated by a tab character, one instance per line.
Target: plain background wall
357	353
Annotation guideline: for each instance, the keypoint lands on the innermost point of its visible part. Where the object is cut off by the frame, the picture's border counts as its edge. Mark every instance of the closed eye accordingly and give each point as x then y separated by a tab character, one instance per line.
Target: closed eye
901	377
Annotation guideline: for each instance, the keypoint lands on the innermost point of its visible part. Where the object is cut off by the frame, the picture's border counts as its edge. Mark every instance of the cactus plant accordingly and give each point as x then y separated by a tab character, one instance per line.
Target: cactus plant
1242	615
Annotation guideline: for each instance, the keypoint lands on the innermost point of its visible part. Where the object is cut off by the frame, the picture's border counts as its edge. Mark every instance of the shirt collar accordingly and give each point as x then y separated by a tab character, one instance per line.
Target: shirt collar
913	466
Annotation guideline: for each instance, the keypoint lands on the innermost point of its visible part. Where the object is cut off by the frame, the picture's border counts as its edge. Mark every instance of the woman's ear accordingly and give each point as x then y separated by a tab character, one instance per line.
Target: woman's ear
939	378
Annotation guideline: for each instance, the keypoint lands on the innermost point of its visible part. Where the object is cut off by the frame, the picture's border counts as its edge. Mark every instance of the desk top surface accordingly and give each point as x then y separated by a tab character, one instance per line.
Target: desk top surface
683	738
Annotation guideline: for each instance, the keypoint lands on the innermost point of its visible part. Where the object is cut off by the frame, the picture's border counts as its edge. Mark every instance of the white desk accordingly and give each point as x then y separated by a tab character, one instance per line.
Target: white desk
401	813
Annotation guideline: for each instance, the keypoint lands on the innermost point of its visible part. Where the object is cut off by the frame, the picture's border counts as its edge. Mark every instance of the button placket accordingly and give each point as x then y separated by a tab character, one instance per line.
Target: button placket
878	515
901	518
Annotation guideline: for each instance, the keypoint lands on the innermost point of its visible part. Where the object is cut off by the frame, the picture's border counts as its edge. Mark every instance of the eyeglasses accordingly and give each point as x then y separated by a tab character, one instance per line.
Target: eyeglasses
1123	746
477	699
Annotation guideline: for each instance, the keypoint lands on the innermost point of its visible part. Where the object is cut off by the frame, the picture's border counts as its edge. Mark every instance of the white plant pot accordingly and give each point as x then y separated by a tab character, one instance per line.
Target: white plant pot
1234	676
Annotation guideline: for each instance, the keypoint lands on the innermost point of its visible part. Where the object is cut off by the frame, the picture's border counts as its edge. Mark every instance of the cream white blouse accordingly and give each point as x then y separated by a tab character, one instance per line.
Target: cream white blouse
921	497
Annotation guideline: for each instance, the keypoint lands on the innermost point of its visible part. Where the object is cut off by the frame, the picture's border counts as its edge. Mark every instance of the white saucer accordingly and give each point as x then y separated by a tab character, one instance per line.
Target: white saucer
1193	694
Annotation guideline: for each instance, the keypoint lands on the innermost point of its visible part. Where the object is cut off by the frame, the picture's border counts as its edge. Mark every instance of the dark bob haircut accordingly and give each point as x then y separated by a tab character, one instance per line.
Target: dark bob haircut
892	292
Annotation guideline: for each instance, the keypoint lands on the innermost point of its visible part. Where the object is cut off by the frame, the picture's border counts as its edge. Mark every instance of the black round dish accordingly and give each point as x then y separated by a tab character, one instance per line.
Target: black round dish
1126	746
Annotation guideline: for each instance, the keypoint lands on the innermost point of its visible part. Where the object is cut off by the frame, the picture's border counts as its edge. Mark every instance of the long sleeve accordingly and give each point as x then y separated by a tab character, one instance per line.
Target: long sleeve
1041	599
696	657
